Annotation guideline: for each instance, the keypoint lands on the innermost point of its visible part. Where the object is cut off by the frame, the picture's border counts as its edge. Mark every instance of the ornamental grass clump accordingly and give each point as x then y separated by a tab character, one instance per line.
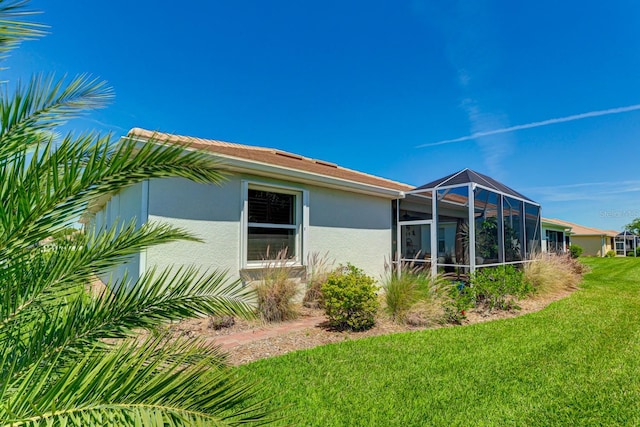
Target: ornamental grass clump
276	290
550	273
350	299
318	269
410	294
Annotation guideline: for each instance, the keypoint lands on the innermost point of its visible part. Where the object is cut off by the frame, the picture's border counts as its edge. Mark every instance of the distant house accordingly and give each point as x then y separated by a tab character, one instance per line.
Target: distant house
593	241
556	236
274	199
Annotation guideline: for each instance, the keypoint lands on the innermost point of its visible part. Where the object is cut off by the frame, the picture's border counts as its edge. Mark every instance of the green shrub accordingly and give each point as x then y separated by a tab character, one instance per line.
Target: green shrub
350	299
499	287
610	254
638	251
575	251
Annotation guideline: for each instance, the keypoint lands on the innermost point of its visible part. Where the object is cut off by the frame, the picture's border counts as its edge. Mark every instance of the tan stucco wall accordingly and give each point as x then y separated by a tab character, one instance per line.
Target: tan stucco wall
593	245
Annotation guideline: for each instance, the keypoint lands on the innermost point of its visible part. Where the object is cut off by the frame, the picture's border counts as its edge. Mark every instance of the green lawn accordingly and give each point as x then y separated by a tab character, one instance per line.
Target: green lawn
575	363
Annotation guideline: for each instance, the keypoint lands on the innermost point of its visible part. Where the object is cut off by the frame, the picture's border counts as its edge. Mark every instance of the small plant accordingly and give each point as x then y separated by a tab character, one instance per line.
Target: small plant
221	322
318	269
577	266
275	290
425	312
610	254
575	251
350	299
499	287
457	300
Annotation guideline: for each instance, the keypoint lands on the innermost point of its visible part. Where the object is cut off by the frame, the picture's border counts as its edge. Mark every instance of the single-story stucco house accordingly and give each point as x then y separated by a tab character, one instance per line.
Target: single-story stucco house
593	241
274	199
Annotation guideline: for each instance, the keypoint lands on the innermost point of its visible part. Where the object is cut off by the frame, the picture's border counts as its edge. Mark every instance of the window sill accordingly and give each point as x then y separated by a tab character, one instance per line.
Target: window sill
254	272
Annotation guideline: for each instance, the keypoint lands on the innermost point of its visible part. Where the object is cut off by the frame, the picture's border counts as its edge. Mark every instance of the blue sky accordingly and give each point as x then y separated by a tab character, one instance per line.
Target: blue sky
367	84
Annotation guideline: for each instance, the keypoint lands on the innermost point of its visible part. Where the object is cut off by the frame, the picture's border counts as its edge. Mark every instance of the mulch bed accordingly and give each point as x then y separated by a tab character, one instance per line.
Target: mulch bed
321	334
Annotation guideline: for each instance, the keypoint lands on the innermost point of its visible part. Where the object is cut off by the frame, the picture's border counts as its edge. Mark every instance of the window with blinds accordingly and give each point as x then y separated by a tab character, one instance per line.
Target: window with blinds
272	223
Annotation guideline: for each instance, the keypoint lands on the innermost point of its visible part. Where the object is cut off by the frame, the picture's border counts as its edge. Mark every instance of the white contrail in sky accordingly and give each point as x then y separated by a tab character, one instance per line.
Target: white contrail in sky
536	124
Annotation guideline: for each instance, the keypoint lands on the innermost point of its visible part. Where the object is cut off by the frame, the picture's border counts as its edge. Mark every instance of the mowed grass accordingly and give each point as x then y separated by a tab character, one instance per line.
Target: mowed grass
577	362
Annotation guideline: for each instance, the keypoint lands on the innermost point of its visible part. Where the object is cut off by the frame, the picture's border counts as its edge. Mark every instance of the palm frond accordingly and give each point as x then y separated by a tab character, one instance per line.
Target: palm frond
136	383
13	26
176	294
31	214
55	271
141	305
33	109
69	358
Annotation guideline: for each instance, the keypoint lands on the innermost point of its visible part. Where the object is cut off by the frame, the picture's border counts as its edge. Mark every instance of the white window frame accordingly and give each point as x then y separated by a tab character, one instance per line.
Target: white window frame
301	225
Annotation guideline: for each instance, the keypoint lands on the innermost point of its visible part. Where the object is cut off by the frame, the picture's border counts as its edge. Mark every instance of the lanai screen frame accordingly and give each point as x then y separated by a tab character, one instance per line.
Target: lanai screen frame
624	237
472	265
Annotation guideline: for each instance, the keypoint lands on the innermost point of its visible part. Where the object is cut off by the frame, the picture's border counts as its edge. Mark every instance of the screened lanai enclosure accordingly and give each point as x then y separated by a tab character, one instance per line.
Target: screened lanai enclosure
465	221
626	244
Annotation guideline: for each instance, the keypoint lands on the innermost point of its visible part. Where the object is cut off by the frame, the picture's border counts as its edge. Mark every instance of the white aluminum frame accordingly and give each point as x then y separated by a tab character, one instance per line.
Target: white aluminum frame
301	225
471	187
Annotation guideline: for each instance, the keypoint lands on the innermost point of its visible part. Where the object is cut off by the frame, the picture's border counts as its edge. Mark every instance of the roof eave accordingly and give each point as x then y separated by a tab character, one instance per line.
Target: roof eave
234	164
239	165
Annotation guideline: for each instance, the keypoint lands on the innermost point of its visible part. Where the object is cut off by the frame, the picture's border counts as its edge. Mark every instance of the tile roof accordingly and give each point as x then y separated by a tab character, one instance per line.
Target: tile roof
581	230
271	156
555	222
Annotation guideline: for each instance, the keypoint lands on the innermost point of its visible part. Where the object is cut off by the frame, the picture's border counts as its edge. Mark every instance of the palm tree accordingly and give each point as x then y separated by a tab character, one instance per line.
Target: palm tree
69	358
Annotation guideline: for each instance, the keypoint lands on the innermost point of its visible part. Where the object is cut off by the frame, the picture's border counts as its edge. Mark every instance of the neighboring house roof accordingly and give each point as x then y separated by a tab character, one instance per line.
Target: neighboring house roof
581	230
273	157
467	176
553	223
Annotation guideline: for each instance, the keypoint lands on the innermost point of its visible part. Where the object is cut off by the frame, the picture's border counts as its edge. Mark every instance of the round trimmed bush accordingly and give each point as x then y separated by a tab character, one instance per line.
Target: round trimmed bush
575	251
350	299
